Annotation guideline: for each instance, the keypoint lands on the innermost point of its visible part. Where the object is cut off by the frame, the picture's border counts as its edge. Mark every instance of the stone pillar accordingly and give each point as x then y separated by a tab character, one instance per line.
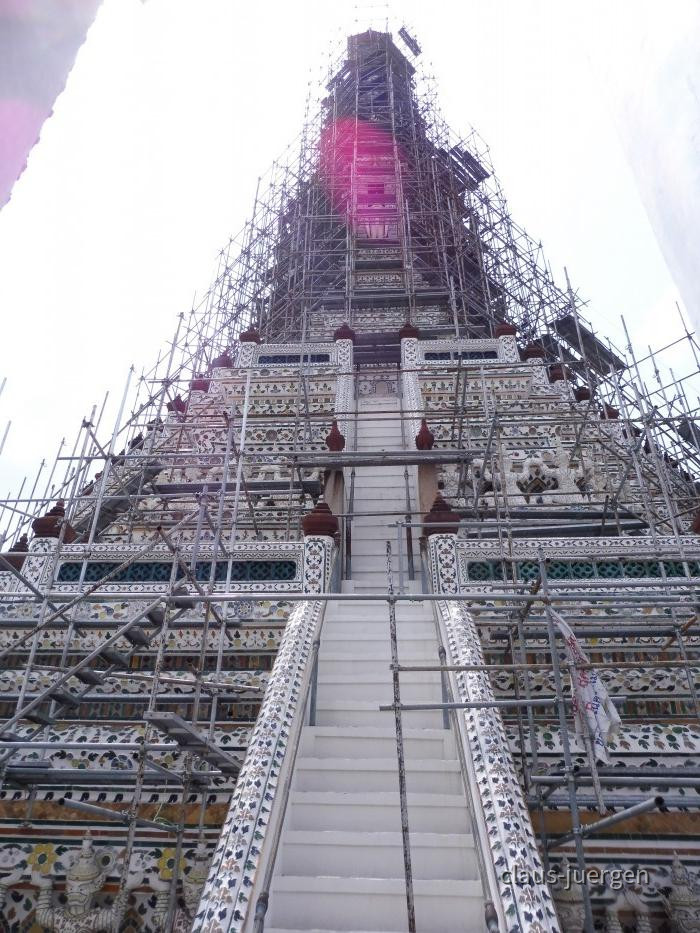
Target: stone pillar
412	397
443	564
345	383
318	554
246	354
427	486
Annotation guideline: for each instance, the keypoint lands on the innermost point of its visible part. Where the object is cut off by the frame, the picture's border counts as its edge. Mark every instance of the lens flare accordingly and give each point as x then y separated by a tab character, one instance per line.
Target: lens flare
359	167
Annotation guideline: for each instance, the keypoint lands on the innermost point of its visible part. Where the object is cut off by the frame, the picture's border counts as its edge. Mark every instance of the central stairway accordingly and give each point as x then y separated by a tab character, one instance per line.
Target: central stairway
340	863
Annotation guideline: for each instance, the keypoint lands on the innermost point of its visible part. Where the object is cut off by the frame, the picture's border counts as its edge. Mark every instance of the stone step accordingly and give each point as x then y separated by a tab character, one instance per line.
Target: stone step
363	532
380	811
364	742
377	774
388	422
375	584
269	929
372	526
377	687
392	490
380	439
365	854
360	645
370	671
336	665
367	473
373	570
375	548
365	497
375	564
369	622
362	904
378	587
375	474
342	712
371	477
358	628
367	608
376	629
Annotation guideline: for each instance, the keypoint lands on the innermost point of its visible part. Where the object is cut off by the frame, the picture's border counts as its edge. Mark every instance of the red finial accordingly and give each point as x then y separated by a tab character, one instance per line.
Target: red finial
200	384
532	351
222	362
335	441
49	525
344	332
558	373
441	519
249	336
177	405
408	330
425	437
320	521
17	559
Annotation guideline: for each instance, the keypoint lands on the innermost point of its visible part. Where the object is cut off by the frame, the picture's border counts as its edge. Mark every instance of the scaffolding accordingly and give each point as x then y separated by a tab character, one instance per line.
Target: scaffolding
400	225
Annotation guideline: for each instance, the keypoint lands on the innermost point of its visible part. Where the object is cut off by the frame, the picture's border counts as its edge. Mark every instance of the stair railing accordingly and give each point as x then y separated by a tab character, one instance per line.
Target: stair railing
518	897
243	864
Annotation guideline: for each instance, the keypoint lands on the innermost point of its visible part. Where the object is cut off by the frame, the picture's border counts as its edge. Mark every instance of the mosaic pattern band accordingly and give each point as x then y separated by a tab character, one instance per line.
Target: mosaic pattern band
502	817
225	903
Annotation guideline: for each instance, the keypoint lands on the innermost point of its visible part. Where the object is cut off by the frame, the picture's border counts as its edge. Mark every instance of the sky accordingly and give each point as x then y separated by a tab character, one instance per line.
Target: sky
650	64
175	107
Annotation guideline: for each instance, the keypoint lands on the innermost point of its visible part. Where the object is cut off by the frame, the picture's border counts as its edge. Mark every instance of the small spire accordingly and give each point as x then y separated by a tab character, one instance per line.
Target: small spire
409	331
222	362
558	373
344	332
533	351
49	525
425	437
441	519
200	383
249	336
320	521
335	441
177	405
16	555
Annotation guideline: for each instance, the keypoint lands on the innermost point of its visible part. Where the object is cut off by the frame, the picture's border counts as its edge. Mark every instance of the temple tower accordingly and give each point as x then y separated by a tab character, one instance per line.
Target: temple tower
376	608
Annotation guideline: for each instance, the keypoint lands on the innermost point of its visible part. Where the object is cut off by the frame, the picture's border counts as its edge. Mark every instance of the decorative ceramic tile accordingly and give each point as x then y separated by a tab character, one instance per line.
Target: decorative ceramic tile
225	904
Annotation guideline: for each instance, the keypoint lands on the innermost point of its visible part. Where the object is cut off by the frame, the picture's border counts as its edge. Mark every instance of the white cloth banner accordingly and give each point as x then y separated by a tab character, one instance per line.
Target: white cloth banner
593	708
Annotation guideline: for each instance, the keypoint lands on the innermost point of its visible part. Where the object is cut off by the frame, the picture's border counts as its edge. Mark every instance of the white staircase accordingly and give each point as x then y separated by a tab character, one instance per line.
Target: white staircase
340	862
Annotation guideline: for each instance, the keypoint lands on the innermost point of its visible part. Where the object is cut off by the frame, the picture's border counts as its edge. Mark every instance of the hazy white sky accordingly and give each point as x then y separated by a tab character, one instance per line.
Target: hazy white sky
174	108
650	64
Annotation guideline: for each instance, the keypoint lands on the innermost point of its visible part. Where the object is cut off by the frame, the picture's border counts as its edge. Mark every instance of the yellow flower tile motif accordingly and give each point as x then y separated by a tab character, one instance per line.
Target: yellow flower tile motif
42	858
166	863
